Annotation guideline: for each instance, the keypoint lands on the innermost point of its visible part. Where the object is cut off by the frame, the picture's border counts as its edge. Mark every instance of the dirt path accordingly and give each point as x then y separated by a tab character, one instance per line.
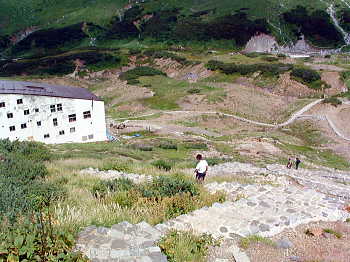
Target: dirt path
289	121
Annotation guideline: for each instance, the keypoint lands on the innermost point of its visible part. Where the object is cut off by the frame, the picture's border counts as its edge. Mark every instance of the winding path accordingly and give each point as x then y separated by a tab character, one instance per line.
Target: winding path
294	116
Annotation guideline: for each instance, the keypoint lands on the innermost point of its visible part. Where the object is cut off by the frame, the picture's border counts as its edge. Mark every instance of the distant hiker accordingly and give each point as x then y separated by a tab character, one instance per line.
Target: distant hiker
290	163
297	163
201	168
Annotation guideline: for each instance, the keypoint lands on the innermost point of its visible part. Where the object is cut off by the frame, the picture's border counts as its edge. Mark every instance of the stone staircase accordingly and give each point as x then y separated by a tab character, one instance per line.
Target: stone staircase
122	242
264	210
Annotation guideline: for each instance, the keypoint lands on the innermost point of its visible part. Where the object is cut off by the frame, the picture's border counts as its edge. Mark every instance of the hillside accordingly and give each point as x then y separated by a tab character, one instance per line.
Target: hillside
181	21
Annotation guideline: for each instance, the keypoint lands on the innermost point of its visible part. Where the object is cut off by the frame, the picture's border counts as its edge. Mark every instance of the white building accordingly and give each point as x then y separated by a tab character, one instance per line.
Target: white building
50	114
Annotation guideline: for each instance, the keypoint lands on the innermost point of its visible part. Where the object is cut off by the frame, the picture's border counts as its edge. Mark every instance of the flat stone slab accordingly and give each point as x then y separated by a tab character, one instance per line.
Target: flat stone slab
263	210
113	174
123	242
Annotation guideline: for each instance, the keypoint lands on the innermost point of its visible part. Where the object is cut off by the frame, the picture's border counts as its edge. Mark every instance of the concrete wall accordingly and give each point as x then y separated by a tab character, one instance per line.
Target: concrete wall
86	130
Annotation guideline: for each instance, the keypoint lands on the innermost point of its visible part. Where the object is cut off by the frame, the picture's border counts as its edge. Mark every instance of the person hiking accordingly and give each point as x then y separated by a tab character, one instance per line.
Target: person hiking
201	168
297	163
290	163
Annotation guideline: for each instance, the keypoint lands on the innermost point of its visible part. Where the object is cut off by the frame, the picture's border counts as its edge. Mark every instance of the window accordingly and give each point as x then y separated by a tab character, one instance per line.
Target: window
26	112
12	128
61	132
46	135
72	130
87	114
59	107
72	118
84	138
19	101
23	126
9	115
55	123
2	104
91	137
53	108
38	123
36	110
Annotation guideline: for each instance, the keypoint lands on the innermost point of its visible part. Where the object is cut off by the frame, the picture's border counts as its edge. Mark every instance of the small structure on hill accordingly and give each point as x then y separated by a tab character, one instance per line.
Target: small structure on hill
50	113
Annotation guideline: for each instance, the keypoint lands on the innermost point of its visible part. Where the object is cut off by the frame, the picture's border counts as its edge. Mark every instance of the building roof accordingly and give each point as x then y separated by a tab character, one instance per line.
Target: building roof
41	89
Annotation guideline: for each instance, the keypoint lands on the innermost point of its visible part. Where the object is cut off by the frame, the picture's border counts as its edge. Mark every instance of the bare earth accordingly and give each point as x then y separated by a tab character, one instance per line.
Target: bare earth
306	248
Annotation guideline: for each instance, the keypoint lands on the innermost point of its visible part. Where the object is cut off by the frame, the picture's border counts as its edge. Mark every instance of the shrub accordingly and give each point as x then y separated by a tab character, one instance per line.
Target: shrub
118	166
194	91
244	69
36	239
31	150
247	241
197	146
126	198
318	85
185	246
307	75
334	101
216	161
270	59
166	186
162	164
102	188
168	146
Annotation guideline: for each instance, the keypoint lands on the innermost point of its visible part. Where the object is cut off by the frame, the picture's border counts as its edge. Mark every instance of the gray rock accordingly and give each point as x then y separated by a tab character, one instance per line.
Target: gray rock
284	243
295	258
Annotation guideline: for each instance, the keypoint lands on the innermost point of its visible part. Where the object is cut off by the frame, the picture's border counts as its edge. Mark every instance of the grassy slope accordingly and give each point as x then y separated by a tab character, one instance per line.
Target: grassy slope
18	14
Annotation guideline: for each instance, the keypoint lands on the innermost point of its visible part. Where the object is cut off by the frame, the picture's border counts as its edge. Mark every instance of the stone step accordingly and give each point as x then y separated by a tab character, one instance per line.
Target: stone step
122	242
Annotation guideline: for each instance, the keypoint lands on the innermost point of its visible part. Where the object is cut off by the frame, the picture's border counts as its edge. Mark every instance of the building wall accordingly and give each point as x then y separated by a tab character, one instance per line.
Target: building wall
86	129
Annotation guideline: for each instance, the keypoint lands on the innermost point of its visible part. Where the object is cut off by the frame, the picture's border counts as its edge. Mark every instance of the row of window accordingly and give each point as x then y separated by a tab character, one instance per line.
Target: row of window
72	130
53	108
72	118
19	102
61	132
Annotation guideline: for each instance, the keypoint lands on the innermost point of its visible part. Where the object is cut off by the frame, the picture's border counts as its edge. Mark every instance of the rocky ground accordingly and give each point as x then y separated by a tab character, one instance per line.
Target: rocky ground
280	205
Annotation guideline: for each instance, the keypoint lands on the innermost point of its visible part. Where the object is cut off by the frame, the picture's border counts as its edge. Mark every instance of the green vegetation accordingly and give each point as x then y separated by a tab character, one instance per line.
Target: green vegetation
333	232
309	77
245	69
133	74
185	246
334	101
247	241
26	221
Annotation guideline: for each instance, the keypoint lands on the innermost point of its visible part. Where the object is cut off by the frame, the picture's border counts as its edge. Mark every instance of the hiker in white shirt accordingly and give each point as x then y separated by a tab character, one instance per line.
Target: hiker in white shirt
201	168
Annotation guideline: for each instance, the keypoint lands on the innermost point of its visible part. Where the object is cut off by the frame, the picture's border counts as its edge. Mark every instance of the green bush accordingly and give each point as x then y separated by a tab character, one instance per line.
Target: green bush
318	85
121	166
270	59
168	146
36	239
215	161
162	164
185	246
307	75
125	198
245	69
31	150
102	188
334	101
197	146
167	186
193	91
